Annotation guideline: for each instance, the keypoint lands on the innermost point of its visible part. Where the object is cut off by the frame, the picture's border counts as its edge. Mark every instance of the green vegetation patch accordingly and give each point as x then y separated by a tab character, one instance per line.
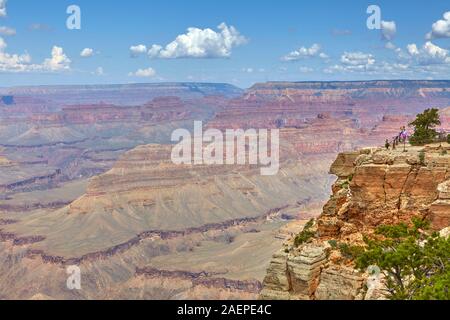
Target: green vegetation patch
305	235
414	262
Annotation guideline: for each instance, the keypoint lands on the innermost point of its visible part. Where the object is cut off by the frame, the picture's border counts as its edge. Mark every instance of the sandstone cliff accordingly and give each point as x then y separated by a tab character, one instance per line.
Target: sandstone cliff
374	187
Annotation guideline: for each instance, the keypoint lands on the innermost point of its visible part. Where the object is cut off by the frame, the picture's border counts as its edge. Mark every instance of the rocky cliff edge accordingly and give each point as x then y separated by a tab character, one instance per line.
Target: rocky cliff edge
374	187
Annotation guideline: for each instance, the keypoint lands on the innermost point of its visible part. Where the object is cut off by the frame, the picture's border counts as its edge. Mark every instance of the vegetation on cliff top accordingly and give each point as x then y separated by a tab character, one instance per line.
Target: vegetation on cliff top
424	127
415	263
305	235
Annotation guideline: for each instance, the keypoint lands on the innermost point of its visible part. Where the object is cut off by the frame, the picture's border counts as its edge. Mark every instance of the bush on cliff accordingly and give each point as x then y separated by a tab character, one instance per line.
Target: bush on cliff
350	252
414	262
305	235
424	127
448	138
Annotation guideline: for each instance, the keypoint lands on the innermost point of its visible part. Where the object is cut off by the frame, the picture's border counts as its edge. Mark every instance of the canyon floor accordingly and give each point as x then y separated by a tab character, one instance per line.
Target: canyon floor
86	179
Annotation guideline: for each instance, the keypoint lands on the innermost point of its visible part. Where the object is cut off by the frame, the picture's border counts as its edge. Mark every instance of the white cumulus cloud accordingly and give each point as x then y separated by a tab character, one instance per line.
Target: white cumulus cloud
22	62
87	52
354	62
13	62
314	51
428	54
412	49
388	30
137	50
2	8
441	28
58	61
200	43
143	73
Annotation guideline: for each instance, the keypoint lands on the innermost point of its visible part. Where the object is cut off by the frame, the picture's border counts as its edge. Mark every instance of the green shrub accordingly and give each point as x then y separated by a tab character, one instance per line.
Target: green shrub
305	235
333	243
350	252
309	224
345	184
448	138
414	262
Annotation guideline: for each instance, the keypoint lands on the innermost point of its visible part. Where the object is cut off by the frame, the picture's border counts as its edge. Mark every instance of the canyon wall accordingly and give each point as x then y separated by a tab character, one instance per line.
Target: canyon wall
86	179
374	187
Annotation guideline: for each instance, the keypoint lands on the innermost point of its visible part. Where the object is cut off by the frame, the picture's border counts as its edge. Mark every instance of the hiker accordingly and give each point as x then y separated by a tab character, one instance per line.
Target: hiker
387	144
403	135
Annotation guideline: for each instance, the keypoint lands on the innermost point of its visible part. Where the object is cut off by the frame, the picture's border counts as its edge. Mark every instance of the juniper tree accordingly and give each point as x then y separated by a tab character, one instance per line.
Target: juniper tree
414	261
424	127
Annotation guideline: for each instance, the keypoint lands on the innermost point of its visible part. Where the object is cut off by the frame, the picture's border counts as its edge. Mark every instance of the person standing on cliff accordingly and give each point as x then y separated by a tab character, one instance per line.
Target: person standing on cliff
387	144
404	138
403	134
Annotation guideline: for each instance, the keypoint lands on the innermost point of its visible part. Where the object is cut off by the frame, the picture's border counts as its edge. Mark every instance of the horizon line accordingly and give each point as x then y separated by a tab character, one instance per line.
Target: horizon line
218	83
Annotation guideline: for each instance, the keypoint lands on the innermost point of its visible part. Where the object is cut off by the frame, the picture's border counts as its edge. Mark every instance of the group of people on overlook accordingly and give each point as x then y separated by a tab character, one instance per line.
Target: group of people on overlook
402	137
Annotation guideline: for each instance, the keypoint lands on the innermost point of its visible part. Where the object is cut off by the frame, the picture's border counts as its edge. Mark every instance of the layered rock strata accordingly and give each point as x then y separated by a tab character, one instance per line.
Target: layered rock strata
374	187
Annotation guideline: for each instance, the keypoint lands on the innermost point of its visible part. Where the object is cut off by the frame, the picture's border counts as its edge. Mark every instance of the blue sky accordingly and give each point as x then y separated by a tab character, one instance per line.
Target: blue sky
257	41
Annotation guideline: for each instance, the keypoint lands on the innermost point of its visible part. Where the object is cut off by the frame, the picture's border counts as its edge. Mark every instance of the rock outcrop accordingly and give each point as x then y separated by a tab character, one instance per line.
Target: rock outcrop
294	276
374	187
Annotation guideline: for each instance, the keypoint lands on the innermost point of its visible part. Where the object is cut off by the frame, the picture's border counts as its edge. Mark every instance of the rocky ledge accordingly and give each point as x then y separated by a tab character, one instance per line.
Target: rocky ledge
374	186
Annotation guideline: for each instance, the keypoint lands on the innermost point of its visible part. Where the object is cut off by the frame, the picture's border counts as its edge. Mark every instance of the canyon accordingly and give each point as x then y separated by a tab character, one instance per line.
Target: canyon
86	179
